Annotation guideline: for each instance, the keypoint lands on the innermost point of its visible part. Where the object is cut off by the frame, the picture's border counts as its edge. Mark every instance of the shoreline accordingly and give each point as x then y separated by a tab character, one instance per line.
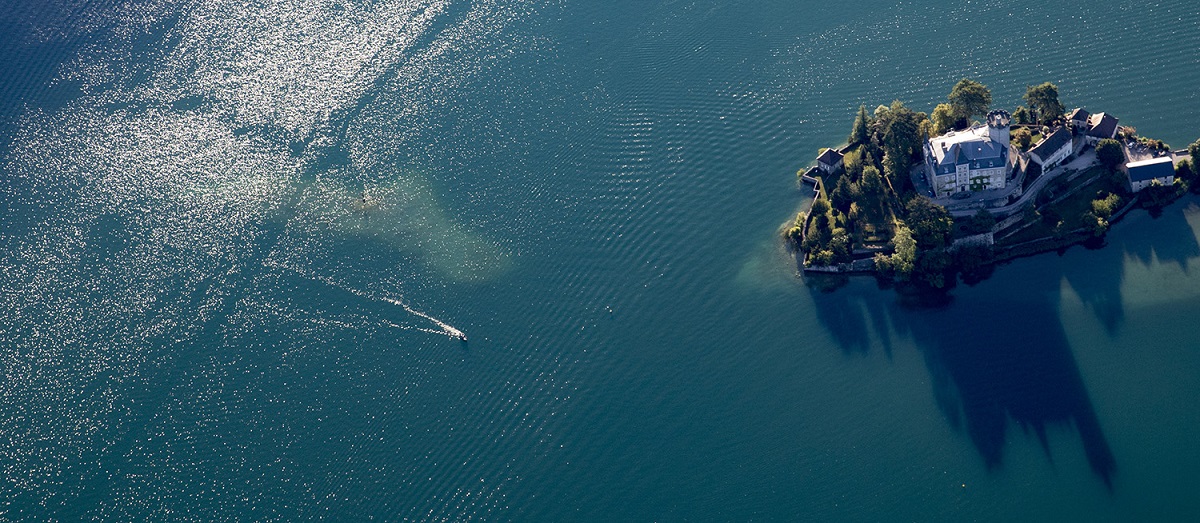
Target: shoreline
928	199
1000	255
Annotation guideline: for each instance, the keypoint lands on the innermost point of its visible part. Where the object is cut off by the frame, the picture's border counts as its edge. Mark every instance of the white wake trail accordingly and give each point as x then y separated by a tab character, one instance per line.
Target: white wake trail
445	329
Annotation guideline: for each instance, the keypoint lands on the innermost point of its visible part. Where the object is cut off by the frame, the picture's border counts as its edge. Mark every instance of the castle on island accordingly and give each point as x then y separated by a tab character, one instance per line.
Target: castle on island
974	159
982	158
1029	181
982	168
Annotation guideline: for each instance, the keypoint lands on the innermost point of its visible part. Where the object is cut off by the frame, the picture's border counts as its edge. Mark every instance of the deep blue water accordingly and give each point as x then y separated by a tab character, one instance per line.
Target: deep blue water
228	234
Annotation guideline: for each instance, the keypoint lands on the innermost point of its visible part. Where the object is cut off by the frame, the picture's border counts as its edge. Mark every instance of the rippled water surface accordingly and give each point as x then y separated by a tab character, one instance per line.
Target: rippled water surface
237	240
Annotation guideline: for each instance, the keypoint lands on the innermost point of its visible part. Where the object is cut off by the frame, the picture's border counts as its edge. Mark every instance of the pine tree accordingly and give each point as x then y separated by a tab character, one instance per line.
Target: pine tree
861	132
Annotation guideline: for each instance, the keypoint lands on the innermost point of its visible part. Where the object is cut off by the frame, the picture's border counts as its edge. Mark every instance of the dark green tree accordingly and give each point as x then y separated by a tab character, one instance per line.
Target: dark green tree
1110	153
905	253
1194	150
1021	115
974	262
932	268
868	160
901	138
969	98
871	187
981	222
931	224
811	243
872	194
1022	138
839	245
1043	99
1184	171
1098	225
820	207
843	194
861	133
853	163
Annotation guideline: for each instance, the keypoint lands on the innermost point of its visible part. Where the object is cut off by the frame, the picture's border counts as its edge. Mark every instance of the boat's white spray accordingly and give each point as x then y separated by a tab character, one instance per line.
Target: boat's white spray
445	328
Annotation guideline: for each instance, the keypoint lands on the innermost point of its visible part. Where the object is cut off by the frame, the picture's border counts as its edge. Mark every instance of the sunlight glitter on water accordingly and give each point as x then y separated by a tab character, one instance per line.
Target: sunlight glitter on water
165	189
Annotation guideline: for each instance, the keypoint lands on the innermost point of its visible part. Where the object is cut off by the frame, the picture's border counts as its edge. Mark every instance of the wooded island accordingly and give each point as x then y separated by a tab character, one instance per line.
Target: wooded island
923	199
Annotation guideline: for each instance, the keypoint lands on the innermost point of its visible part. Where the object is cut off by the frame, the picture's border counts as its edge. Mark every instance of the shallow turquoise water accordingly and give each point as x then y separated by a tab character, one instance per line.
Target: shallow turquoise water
211	213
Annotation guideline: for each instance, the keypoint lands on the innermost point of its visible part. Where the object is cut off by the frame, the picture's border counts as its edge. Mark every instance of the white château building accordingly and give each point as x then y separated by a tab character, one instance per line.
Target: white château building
975	159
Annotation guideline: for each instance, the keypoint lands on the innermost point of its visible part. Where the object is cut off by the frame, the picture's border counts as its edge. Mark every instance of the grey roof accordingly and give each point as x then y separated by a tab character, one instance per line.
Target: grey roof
1051	144
976	150
973	146
1150	169
1079	114
1102	125
830	157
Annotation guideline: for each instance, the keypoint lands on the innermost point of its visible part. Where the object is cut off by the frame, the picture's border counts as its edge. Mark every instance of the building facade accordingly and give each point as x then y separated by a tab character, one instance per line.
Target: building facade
830	161
1053	149
1144	173
975	159
1101	126
1079	118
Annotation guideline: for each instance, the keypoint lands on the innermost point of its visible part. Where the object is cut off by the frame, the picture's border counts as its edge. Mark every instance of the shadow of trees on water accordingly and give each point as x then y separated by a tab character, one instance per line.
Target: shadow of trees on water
991	362
998	354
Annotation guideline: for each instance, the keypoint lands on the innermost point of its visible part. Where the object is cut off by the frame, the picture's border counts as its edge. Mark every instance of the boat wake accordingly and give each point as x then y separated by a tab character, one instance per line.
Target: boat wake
444	329
447	329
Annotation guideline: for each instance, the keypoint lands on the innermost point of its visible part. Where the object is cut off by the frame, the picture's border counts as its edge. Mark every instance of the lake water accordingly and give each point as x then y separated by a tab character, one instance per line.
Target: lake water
226	232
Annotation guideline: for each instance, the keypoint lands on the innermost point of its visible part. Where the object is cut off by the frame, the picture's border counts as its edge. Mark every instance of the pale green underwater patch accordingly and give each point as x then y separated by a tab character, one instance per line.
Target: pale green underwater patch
402	212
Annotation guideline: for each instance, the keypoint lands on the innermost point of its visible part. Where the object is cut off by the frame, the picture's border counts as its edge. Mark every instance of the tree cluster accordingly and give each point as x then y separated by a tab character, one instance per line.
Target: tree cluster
1186	171
969	98
1043	102
890	139
826	241
920	252
860	196
1157	196
898	133
941	120
862	199
1103	207
1157	145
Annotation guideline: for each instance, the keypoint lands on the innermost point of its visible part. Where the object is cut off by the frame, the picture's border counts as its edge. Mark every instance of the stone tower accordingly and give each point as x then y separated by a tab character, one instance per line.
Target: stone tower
997	122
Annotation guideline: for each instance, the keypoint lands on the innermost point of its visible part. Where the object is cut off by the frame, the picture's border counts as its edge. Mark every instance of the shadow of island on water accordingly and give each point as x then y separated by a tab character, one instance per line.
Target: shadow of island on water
991	362
998	353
